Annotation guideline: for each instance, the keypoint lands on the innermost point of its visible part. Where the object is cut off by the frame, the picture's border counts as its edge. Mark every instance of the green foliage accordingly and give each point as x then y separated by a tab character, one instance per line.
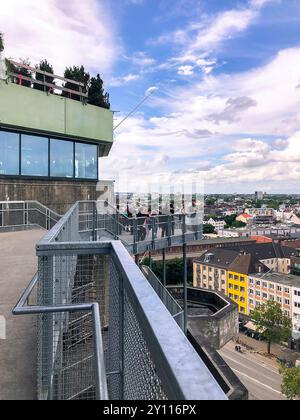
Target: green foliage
210	201
44	66
174	270
207	228
20	70
77	74
270	321
238	224
291	383
232	223
97	95
230	219
1	43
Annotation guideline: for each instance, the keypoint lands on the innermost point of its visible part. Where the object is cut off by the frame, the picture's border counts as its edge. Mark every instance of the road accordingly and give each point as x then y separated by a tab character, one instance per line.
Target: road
259	375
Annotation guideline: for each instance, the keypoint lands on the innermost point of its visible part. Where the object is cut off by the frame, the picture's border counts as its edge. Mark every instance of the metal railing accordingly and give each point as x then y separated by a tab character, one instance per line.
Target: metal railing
48	82
165	296
139	234
132	343
24	213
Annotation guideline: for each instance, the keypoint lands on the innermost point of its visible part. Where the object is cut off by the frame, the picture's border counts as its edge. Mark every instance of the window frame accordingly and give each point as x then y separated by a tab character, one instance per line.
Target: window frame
49	137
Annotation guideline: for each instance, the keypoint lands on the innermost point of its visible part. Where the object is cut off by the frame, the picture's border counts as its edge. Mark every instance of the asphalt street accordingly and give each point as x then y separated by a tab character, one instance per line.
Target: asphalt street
259	375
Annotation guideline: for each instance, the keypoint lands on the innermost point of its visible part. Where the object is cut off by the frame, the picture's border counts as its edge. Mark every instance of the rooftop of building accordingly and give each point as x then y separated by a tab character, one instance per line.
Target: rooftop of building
285	279
233	260
265	251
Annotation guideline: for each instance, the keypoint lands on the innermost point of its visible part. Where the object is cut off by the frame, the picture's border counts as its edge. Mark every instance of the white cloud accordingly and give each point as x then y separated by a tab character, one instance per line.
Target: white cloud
123	80
256	102
186	70
69	32
206	34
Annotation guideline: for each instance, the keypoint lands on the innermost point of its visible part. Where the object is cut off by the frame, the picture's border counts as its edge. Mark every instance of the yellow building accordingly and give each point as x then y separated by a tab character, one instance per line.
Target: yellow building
227	271
237	290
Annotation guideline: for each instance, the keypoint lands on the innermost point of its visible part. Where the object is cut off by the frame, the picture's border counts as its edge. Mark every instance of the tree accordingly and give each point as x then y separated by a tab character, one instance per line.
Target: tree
1	43
270	321
11	68
291	383
97	95
208	228
238	224
174	270
77	74
229	220
44	66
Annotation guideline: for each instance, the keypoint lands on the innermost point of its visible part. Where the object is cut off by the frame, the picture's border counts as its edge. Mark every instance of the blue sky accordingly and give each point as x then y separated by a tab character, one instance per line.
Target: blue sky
226	76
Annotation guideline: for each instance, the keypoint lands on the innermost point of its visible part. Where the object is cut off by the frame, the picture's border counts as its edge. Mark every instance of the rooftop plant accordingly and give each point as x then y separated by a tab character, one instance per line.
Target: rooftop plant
93	86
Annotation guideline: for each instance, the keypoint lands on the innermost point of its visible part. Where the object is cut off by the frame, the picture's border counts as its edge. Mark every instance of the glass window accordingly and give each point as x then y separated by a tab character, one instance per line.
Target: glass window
61	158
86	160
34	156
9	153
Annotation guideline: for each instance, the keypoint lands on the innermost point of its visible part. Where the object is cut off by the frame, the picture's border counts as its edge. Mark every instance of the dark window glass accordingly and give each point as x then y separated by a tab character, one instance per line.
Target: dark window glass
9	153
86	160
34	156
61	158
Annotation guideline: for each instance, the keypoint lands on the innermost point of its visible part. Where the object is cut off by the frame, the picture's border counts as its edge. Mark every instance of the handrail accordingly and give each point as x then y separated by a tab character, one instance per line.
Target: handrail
35	70
52	86
22	309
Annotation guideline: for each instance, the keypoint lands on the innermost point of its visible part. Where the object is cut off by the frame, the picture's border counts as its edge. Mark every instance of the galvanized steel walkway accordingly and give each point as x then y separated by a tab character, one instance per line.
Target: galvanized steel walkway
18	265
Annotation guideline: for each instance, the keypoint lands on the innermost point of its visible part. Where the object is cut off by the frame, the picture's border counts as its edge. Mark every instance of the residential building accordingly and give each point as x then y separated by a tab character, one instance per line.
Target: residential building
296	310
295	263
264	220
274	255
219	225
283	289
259	195
227	271
244	218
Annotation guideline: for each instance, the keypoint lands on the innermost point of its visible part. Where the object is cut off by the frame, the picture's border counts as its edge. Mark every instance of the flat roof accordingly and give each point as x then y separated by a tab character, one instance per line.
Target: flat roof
285	279
221	241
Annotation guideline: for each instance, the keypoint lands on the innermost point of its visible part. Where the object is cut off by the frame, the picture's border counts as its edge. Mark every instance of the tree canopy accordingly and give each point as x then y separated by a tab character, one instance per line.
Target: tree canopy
174	270
1	43
208	228
47	67
97	95
271	322
291	383
77	74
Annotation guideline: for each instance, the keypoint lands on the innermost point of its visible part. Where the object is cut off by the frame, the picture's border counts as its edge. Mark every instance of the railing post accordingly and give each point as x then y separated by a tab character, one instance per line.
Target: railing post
169	230
134	225
121	334
94	221
164	267
150	261
185	288
153	227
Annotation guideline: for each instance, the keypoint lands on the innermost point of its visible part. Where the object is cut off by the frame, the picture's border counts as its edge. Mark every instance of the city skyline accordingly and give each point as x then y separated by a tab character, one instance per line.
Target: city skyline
226	78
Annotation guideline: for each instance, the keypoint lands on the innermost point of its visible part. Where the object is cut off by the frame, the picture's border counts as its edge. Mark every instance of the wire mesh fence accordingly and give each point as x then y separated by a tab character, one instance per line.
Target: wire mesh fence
101	326
24	213
170	303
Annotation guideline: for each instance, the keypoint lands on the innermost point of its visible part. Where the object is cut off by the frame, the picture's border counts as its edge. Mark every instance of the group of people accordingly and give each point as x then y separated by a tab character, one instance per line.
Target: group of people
152	224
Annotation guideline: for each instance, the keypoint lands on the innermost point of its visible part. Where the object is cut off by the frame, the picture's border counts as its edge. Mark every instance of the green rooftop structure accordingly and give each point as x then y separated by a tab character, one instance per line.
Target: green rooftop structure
49	137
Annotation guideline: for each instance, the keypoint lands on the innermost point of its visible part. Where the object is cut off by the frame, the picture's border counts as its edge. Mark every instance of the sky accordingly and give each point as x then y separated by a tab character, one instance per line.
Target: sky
224	77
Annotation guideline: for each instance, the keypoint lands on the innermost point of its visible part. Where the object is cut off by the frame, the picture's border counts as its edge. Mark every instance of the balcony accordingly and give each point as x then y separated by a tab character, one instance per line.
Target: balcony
103	331
27	109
